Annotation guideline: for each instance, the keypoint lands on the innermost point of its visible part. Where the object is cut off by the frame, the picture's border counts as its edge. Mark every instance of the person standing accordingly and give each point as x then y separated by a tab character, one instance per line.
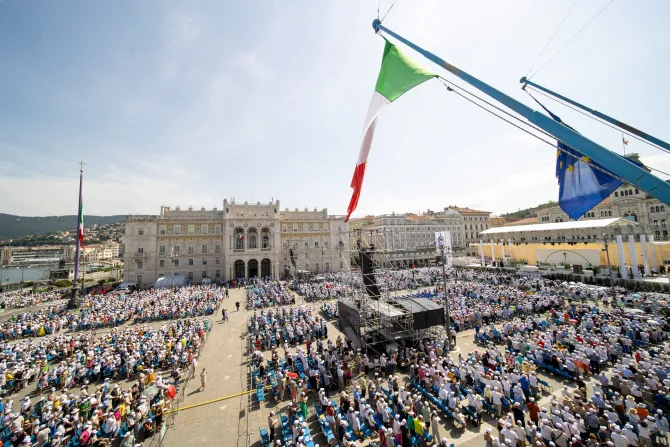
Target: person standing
203	379
272	423
434	427
237	304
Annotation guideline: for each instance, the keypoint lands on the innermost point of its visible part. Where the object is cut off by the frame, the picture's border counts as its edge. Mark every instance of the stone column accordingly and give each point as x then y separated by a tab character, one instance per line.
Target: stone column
653	252
633	255
511	244
622	259
481	251
502	247
493	251
643	244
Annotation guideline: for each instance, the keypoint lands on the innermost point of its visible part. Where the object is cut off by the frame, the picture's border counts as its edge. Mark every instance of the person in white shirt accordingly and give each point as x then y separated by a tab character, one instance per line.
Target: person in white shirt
618	439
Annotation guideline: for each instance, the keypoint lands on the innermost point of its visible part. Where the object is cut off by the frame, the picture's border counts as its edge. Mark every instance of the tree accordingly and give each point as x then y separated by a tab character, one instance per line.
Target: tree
634	156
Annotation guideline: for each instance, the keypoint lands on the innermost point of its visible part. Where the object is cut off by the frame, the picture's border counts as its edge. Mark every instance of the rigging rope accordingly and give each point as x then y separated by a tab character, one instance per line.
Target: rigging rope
389	10
571	39
597	119
553	145
550	39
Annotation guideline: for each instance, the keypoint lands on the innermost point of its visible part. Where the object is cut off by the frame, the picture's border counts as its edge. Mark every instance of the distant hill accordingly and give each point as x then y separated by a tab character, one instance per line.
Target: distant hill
530	212
14	227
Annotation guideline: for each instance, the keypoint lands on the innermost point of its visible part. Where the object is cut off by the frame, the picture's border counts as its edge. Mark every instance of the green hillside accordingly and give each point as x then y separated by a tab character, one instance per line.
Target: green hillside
530	212
14	227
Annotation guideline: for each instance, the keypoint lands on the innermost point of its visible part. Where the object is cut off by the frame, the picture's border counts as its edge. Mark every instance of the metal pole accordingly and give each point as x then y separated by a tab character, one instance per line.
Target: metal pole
600	115
447	317
616	164
79	218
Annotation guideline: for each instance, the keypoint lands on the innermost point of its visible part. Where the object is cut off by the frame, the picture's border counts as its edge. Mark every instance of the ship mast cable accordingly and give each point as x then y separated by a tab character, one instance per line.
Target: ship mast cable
596	119
571	39
550	143
550	39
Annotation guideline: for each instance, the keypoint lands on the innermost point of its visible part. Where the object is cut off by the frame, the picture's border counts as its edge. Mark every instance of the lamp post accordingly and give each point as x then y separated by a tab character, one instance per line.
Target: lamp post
172	256
447	318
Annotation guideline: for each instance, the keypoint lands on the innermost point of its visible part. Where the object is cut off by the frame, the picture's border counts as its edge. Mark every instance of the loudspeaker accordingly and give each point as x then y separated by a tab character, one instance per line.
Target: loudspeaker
369	280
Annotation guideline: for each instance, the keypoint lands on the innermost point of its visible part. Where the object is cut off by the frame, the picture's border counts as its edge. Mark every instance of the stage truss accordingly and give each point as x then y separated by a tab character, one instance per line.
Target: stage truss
375	322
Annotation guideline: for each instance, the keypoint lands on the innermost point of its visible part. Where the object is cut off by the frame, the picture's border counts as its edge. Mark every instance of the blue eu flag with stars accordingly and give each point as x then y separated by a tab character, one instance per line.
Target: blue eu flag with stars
583	183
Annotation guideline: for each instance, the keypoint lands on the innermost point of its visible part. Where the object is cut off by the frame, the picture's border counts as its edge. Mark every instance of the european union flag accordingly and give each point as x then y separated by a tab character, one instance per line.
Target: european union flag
583	183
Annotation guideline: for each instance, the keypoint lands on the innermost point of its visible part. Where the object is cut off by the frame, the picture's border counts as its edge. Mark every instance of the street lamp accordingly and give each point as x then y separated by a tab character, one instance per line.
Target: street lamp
443	248
172	256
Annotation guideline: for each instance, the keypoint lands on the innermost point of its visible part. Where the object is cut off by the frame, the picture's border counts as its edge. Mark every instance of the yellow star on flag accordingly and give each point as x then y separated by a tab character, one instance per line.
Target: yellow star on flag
586	159
571	168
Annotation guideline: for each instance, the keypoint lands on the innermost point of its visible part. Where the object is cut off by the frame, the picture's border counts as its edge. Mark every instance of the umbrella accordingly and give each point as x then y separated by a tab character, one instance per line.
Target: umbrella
636	295
292	375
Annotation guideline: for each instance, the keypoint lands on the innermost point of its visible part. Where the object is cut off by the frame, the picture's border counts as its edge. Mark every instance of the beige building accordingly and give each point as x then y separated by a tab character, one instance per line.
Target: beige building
45	254
627	202
241	240
101	252
474	221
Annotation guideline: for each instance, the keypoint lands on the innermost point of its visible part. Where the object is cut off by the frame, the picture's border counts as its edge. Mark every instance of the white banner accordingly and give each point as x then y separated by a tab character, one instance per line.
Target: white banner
445	237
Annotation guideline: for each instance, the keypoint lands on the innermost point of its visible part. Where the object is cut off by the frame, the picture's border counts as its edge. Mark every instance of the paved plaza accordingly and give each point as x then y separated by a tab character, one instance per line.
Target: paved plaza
215	417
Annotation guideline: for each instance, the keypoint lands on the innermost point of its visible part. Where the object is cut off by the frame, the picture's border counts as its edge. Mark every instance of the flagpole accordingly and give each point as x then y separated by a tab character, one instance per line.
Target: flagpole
79	212
616	164
623	143
609	119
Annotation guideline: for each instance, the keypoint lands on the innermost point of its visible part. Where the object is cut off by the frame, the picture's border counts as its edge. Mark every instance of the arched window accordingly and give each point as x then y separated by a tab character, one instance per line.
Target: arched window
625	193
265	238
662	222
239	239
662	208
651	209
637	191
630	192
655	223
658	209
609	213
616	193
253	238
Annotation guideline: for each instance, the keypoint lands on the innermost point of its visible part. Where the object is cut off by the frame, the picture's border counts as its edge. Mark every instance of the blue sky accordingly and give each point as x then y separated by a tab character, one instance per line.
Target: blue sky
187	103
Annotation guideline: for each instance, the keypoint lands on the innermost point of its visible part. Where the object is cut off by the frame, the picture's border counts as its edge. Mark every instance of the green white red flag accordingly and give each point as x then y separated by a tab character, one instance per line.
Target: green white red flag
398	74
81	224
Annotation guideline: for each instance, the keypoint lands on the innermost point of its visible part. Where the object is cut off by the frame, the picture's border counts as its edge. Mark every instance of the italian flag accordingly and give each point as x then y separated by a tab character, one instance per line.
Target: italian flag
81	224
398	74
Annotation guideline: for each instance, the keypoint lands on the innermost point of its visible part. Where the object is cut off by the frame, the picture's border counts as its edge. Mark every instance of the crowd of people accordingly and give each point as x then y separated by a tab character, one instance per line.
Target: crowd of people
114	309
9	300
268	293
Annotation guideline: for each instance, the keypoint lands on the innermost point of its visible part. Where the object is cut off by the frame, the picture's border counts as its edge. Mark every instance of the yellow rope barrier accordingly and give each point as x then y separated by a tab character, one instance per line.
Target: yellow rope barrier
212	401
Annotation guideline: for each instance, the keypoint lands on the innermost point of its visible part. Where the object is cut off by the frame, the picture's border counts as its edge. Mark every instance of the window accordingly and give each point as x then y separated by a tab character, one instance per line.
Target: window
317	267
651	209
295	228
140	231
283	229
616	193
637	191
327	266
190	261
204	249
190	275
316	243
341	264
204	273
658	209
162	229
138	280
609	213
325	243
177	229
161	250
140	265
191	229
160	275
662	208
204	229
140	249
217	249
176	262
217	229
190	249
630	192
252	241
217	261
175	249
662	222
316	227
665	234
161	263
217	274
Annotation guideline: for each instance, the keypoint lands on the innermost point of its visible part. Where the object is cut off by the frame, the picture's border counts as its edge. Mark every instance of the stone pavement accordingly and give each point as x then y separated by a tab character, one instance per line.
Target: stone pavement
234	422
